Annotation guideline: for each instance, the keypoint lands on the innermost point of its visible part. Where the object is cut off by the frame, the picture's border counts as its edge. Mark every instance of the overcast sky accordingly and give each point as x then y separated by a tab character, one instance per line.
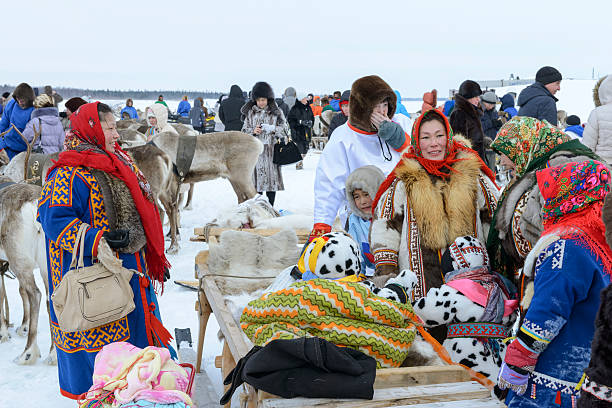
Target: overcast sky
317	46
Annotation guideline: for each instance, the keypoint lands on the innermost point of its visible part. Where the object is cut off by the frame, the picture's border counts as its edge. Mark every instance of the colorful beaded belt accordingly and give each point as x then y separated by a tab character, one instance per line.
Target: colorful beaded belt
478	329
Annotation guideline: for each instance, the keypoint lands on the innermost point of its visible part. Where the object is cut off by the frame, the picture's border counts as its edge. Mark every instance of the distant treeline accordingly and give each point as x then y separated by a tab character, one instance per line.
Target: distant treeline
67	93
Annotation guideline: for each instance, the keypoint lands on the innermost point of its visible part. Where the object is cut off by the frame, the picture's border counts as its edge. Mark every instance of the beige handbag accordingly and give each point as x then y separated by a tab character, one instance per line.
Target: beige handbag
89	297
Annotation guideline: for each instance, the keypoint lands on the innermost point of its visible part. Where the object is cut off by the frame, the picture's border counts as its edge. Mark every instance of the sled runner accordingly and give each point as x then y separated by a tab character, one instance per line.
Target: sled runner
439	386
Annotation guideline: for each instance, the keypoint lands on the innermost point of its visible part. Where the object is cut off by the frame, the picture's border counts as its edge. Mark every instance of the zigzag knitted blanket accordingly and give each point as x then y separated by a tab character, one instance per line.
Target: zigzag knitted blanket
344	313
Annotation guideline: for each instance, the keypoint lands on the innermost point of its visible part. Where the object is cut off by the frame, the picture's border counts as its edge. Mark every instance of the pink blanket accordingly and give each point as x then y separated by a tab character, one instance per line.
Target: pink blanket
132	374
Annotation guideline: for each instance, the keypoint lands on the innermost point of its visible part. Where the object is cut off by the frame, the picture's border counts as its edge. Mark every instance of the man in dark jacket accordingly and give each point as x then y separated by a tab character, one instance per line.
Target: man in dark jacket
538	99
341	117
490	120
229	110
465	118
282	106
300	120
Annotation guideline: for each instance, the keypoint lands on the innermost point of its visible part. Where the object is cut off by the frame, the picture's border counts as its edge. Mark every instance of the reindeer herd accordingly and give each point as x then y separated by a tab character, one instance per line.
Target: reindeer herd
231	155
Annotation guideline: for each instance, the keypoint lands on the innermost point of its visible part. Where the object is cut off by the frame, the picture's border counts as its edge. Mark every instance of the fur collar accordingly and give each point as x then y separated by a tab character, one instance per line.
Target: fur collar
120	210
602	92
441	206
463	104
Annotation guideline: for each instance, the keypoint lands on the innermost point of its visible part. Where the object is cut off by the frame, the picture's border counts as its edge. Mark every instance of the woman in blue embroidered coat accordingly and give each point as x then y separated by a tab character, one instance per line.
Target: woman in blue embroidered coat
544	364
95	182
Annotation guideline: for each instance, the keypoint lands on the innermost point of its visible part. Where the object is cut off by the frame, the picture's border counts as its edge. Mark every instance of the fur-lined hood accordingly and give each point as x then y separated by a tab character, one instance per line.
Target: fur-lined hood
366	178
441	206
602	92
366	92
161	114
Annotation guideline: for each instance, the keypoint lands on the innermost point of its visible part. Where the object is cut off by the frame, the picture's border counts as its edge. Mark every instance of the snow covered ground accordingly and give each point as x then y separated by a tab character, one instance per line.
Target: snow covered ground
37	386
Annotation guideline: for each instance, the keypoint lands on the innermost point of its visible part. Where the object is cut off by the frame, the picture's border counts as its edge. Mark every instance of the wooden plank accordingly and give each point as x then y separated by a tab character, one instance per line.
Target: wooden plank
405	376
409	376
472	403
392	397
227	365
231	330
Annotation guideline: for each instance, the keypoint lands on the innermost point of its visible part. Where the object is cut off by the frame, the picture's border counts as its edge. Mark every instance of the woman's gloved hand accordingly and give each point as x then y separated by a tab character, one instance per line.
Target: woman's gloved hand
514	378
116	239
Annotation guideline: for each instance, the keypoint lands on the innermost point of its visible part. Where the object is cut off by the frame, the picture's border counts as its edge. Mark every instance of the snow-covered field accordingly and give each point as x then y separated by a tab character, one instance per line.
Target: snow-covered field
37	386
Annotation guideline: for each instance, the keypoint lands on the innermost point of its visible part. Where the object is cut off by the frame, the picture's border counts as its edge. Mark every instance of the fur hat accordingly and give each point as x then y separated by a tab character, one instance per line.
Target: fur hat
366	92
25	92
465	252
469	89
366	178
262	90
43	101
573	120
547	75
602	92
74	103
489	97
334	255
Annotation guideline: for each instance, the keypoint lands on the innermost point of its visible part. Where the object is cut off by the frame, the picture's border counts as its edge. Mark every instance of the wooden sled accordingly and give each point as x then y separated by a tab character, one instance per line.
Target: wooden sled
432	386
200	233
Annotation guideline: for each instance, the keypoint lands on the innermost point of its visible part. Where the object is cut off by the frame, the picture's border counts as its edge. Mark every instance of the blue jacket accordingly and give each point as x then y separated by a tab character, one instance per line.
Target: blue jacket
130	110
577	129
507	105
448	107
359	230
335	104
183	108
12	143
537	102
399	107
560	322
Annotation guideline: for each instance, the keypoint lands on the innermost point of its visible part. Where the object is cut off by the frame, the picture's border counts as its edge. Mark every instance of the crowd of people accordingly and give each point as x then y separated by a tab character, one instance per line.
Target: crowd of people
428	226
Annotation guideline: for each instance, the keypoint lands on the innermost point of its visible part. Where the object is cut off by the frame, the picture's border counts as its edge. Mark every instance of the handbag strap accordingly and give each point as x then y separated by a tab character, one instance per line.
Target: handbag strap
79	246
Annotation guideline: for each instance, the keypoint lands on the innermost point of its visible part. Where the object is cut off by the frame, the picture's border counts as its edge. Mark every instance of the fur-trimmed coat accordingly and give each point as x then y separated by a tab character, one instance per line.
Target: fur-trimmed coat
419	215
267	175
597	133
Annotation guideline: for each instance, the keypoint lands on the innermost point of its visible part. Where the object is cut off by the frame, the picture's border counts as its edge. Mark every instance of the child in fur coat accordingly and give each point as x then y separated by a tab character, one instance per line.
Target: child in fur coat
361	187
476	304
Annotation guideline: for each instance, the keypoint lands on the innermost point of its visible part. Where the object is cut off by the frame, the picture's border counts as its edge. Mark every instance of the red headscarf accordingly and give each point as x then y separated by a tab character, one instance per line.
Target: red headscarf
90	151
433	167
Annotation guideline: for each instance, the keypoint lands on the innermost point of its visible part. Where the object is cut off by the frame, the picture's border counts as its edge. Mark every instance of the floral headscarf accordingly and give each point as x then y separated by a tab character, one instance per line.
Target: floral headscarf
574	195
524	139
572	187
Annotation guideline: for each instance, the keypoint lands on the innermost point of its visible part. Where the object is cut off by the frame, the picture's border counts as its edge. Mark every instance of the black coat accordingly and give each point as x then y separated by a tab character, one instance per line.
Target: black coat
537	102
490	123
300	121
282	106
229	110
306	367
339	119
465	120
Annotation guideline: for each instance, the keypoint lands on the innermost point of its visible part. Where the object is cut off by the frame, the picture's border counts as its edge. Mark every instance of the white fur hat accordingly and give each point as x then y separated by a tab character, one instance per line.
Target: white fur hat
467	252
366	178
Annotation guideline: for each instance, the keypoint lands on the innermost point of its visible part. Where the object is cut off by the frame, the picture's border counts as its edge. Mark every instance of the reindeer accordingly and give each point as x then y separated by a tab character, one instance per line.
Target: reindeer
22	244
231	155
